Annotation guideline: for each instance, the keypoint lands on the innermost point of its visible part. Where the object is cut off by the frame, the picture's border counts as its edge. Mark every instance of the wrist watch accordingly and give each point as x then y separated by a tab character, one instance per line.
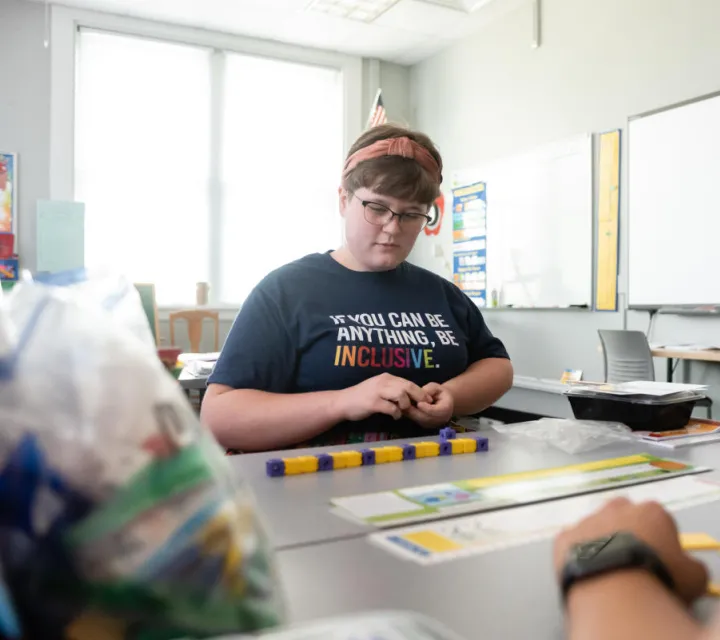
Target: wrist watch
621	550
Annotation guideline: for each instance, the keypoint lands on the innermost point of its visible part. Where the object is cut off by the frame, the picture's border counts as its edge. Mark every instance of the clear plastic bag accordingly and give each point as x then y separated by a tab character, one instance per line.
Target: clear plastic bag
570	436
121	517
113	293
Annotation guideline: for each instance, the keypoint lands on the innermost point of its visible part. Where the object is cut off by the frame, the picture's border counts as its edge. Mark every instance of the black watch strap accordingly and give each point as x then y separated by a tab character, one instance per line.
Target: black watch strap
619	551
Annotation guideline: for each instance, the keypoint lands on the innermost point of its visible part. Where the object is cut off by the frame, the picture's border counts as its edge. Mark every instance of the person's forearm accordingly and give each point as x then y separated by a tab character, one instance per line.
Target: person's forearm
481	385
253	420
627	605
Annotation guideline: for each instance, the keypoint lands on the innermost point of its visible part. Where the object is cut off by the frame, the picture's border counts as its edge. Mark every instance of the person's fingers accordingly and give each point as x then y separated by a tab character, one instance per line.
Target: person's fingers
416	415
434	409
616	503
693	581
433	389
402	401
416	393
389	408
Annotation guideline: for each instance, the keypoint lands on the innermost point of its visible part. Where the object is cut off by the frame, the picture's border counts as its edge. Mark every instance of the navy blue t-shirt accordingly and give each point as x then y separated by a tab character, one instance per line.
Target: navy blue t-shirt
315	325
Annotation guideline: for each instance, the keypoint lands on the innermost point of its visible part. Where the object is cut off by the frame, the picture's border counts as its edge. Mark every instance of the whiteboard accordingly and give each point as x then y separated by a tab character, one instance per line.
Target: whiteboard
539	225
674	206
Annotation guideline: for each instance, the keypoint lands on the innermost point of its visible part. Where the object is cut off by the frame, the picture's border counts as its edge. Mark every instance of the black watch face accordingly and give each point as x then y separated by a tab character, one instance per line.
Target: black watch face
589	550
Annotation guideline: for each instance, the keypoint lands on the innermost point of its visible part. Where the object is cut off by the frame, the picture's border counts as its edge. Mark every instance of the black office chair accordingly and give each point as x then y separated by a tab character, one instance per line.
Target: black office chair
628	357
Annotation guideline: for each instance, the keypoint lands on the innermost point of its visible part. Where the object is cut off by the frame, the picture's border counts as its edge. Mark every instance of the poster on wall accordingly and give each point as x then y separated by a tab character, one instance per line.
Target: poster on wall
8	192
470	241
437	211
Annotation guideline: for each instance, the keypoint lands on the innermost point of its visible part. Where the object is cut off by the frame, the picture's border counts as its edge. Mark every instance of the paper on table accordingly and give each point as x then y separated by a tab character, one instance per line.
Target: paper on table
184	358
60	236
640	387
413	504
446	540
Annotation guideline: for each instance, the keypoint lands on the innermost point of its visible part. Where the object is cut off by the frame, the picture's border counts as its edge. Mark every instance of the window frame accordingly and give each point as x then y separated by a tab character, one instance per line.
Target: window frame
66	23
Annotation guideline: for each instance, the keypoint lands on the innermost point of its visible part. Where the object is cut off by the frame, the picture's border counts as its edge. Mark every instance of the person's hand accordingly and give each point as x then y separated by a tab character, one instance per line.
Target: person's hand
435	413
384	393
649	522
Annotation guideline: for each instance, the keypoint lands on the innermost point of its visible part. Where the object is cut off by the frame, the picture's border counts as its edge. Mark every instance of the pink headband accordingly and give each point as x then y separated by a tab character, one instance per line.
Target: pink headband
404	147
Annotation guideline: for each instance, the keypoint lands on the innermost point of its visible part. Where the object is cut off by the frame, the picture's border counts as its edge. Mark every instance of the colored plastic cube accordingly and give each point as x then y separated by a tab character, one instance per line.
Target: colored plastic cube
482	444
275	468
445	448
394	454
408	452
309	464
368	456
352	458
381	456
448	433
469	445
339	459
427	449
293	466
325	462
457	446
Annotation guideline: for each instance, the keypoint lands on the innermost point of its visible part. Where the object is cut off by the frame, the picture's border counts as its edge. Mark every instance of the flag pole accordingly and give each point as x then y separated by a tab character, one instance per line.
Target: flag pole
373	107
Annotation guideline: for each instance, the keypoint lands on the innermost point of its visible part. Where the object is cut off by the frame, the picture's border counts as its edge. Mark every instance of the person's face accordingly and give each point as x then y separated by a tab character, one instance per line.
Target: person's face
378	240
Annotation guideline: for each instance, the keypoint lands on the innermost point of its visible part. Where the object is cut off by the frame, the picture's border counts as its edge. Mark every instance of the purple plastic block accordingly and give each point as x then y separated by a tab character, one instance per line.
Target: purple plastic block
482	444
368	456
325	462
275	468
448	433
445	448
409	452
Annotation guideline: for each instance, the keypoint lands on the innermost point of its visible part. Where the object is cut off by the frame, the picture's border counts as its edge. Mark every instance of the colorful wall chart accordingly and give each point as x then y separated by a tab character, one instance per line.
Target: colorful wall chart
608	222
8	192
470	241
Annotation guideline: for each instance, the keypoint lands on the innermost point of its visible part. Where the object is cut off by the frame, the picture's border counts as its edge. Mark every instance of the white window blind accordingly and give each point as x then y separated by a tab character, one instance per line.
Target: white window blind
282	158
142	160
200	165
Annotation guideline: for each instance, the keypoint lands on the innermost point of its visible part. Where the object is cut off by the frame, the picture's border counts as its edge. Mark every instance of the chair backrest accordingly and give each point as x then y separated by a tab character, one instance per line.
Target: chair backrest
195	319
627	356
149	303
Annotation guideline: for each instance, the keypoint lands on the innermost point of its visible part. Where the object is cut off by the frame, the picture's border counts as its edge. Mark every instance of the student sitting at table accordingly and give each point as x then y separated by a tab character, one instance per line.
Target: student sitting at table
357	344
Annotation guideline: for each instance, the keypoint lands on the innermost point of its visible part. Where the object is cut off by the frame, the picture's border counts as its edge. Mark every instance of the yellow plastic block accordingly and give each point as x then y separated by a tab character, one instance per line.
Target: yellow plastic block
294	466
698	542
381	455
457	446
395	454
352	458
427	449
309	464
713	589
339	459
469	445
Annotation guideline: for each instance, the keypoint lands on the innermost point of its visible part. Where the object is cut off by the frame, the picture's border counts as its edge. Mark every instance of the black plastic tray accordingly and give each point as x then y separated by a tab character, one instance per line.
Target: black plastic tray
639	416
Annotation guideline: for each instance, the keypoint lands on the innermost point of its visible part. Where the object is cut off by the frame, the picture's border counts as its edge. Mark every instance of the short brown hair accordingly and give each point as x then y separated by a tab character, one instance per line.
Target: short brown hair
394	176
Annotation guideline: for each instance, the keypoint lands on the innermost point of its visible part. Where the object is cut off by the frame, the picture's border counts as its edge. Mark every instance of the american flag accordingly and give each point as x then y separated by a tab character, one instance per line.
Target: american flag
378	115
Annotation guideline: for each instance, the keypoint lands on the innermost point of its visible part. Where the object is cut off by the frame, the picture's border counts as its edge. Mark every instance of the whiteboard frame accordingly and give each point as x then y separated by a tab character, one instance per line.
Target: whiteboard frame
628	142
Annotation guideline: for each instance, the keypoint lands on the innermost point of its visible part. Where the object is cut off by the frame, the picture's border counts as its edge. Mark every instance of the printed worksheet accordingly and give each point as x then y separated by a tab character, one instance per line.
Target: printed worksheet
446	540
415	504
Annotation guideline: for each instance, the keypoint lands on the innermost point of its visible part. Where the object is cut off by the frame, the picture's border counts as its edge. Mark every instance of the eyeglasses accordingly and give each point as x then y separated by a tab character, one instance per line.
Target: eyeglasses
380	215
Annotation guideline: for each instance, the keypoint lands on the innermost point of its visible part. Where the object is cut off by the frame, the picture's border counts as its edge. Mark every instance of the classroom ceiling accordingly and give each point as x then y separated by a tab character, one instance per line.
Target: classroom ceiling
401	31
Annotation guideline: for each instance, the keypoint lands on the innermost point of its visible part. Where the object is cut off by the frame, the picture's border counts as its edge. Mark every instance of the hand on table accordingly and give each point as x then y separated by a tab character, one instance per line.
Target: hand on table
435	413
649	522
384	393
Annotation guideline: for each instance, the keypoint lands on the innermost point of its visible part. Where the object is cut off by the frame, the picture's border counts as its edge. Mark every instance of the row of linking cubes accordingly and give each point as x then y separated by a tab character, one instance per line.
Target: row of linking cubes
448	444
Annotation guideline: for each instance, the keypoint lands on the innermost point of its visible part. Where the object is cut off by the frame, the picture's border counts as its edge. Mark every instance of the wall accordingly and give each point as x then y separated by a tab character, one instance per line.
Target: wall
394	80
25	111
492	95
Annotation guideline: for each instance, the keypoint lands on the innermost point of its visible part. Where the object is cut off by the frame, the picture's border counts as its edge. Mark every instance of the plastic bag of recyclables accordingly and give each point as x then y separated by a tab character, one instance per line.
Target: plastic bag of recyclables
119	516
